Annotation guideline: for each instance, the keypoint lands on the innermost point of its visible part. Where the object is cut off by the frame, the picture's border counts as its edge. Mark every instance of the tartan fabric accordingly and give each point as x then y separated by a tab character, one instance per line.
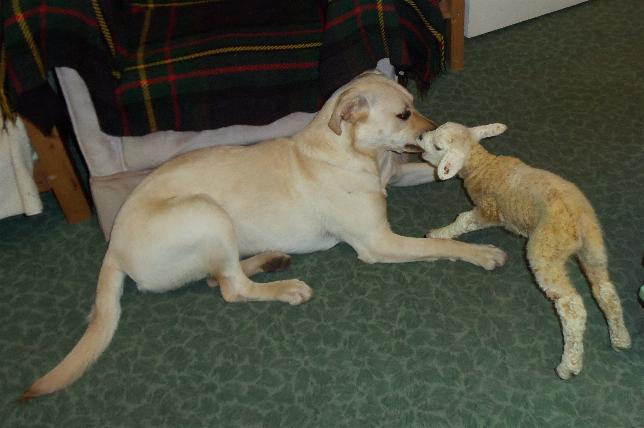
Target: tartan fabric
37	35
246	64
201	64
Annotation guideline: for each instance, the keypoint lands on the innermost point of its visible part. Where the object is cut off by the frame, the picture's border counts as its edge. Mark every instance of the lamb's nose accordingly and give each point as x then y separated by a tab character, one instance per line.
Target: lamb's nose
420	137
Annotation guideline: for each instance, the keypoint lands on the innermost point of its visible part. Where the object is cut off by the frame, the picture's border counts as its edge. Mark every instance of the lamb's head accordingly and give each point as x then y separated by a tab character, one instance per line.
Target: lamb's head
448	146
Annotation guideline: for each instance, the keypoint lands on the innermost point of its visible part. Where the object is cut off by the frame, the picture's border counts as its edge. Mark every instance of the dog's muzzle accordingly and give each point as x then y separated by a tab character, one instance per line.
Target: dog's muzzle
413	148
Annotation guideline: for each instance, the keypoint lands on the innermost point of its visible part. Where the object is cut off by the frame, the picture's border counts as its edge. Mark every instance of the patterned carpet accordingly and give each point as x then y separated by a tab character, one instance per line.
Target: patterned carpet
438	344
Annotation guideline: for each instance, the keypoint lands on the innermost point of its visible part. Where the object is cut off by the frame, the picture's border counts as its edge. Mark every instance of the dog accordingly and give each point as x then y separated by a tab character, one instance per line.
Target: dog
196	215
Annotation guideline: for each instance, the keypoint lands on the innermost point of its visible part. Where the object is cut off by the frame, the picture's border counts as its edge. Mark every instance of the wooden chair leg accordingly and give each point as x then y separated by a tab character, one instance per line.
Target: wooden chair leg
454	12
54	171
40	177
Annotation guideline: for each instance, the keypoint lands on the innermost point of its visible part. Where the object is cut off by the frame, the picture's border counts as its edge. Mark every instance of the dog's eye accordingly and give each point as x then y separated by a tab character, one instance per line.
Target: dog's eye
404	115
438	149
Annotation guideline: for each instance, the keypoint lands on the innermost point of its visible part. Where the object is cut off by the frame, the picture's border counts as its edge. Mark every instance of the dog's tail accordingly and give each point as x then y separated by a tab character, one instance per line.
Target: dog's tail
103	322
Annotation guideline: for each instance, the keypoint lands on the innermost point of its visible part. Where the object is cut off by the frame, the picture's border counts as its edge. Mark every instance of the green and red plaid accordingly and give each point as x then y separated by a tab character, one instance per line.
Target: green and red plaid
38	35
198	64
246	64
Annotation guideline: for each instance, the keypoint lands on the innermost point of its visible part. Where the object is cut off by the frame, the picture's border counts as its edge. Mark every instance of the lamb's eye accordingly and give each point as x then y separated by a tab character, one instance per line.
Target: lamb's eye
437	148
404	115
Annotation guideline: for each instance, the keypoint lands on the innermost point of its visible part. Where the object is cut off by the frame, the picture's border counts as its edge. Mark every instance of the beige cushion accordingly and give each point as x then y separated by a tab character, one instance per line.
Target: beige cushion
109	193
118	164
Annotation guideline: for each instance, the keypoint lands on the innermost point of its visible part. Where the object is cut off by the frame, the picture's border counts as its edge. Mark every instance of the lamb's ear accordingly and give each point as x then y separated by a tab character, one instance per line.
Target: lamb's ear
349	108
486	131
451	163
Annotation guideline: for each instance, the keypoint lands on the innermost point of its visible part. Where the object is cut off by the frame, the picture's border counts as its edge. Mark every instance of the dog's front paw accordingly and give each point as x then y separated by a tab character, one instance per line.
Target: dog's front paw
491	257
296	292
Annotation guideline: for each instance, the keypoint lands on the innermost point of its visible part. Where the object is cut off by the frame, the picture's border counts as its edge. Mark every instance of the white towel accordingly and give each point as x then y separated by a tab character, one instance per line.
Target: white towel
18	191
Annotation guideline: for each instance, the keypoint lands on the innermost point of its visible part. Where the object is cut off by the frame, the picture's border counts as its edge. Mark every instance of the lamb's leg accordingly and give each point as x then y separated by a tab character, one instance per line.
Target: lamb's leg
608	301
595	264
554	281
467	221
548	265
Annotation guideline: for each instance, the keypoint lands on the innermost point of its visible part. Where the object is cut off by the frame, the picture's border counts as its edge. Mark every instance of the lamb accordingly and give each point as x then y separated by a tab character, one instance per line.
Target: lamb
553	213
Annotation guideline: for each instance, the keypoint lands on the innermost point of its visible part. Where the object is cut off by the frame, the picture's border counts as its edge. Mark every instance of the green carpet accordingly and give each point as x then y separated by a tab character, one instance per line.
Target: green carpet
437	344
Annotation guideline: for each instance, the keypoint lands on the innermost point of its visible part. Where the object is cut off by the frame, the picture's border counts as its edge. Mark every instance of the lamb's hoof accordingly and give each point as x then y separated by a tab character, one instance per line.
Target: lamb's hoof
566	371
621	340
212	282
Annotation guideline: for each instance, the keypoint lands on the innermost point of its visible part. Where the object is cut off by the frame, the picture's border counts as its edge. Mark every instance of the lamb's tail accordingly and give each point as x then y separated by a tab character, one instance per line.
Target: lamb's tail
103	322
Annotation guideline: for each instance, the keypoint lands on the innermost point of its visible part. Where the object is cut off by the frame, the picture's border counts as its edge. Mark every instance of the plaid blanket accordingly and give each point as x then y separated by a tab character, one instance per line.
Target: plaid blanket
201	64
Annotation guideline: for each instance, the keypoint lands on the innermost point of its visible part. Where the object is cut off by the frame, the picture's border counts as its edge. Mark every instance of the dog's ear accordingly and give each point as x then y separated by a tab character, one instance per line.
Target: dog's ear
350	108
451	163
486	131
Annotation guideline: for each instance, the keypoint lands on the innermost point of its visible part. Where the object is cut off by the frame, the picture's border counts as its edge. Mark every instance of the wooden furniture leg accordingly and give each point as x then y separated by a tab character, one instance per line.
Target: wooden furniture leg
454	11
54	171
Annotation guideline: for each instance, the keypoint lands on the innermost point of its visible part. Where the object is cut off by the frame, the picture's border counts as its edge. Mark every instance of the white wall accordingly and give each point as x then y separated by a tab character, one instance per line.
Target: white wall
482	16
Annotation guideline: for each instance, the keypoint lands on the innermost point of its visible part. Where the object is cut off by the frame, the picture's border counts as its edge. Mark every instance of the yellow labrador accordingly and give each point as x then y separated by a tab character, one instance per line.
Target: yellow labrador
198	214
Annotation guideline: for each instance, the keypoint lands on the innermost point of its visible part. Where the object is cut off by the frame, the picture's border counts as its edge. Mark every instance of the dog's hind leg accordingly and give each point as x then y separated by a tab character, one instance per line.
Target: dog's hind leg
190	237
237	287
219	242
269	261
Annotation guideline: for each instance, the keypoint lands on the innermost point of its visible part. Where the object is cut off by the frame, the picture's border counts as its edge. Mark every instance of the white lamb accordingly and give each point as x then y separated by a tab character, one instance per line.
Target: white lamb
552	212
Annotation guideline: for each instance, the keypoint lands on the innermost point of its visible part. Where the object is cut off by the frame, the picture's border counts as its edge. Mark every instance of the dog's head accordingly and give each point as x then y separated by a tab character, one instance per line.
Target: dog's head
448	147
379	114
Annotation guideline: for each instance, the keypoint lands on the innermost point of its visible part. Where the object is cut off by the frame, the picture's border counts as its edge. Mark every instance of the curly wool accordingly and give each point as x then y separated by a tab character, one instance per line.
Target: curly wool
559	222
